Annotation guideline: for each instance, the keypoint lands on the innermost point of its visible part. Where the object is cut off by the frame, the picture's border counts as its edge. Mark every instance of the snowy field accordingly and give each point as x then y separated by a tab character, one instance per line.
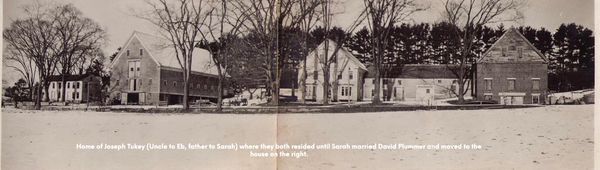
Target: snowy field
551	137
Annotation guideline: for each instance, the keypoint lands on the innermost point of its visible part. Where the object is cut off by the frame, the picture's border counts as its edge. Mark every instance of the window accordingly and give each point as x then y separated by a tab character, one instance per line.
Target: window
77	85
488	84
349	91
128	52
59	95
205	87
487	97
53	85
133	84
536	84
427	91
59	85
399	82
315	75
339	76
513	48
439	81
535	99
511	84
198	86
165	82
343	91
174	83
141	52
73	95
520	52
373	81
385	81
350	75
134	68
504	52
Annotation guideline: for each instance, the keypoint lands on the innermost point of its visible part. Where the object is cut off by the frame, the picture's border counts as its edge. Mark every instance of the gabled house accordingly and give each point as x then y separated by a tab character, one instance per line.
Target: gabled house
346	72
512	71
147	72
78	88
415	82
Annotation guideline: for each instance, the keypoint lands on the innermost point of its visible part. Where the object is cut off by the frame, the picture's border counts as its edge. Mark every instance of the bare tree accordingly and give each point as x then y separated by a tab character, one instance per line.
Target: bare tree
35	38
179	20
307	23
382	16
78	38
222	27
468	18
267	20
21	63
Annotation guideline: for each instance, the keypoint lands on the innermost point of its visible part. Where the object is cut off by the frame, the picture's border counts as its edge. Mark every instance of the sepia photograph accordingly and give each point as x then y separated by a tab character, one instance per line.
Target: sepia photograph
298	84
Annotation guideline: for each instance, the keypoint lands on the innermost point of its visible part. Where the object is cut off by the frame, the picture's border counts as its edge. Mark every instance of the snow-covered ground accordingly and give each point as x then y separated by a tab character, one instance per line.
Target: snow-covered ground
551	137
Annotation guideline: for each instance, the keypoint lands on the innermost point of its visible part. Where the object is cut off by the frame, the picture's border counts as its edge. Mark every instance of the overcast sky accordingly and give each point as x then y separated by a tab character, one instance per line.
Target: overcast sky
116	17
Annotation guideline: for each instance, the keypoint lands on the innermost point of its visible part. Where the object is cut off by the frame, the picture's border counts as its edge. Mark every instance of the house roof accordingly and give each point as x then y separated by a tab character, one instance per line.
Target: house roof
512	30
420	71
164	54
342	52
77	77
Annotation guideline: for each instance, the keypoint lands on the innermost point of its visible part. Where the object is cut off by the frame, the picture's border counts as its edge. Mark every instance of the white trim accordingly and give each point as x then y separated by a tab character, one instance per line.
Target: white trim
511	94
535	94
535	78
488	78
488	94
511	78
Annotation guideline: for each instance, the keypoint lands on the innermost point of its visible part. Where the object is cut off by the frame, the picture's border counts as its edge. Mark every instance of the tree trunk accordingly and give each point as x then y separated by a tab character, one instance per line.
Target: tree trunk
45	86
186	82
220	90
64	89
38	99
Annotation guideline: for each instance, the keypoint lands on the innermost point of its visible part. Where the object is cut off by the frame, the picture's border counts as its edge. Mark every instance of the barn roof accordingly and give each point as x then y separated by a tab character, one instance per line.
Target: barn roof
164	54
420	71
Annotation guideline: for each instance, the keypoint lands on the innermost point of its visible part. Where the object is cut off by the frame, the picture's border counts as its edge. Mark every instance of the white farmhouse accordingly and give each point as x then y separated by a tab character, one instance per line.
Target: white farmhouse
347	73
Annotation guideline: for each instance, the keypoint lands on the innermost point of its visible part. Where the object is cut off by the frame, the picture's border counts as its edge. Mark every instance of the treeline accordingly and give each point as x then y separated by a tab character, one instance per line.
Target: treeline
569	48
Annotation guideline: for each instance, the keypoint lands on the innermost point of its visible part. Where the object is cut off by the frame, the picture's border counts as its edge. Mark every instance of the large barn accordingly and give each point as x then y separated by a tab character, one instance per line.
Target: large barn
512	71
146	72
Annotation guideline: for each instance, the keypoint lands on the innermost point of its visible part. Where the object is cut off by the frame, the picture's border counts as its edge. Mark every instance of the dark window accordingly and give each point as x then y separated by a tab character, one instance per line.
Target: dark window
520	52
174	84
339	76
504	52
439	81
127	52
427	91
165	82
141	52
59	85
315	75
399	82
535	99
53	85
488	84
513	48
